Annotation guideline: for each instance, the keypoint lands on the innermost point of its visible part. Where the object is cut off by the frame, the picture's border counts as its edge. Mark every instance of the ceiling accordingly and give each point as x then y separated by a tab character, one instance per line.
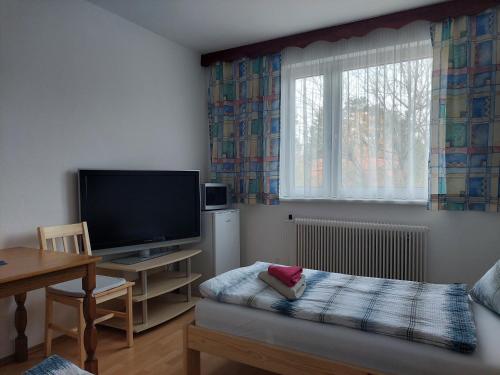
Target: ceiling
211	25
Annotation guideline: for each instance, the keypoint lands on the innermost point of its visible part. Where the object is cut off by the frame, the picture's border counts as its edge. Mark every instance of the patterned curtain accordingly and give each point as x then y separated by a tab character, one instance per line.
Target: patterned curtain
464	163
244	122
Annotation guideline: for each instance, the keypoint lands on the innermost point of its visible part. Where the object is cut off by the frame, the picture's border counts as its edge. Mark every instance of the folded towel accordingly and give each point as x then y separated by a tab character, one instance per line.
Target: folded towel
288	275
292	293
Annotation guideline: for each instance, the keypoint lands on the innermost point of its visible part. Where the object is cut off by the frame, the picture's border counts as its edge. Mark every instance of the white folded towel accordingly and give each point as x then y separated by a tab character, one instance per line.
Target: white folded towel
291	293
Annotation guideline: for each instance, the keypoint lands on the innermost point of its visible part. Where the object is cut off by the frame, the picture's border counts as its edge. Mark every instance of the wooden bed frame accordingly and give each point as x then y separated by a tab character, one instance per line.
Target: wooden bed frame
257	354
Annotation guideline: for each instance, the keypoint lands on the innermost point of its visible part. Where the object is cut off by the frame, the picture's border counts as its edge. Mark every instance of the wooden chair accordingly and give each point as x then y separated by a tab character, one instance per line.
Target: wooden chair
70	293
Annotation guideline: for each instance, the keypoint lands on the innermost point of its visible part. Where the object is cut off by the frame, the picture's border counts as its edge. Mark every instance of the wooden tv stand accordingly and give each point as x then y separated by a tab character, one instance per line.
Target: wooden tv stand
153	295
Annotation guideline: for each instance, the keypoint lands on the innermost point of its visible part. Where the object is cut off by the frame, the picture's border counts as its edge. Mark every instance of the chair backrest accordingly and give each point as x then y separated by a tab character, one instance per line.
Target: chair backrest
62	232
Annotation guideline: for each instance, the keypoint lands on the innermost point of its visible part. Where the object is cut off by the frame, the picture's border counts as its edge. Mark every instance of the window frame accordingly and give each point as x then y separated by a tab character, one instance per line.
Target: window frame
333	88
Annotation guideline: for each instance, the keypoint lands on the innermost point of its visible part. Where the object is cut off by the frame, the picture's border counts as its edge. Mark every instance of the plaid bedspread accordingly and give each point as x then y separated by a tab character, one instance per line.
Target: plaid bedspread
437	314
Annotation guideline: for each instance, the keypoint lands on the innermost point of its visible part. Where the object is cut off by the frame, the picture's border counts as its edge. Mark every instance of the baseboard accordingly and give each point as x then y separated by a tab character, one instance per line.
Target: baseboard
35	348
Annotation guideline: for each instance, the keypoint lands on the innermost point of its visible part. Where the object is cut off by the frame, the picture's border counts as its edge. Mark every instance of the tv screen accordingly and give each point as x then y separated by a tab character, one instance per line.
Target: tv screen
124	208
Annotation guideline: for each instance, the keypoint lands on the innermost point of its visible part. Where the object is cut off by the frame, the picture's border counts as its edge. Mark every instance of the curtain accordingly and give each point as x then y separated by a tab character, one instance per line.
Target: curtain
465	124
244	123
355	117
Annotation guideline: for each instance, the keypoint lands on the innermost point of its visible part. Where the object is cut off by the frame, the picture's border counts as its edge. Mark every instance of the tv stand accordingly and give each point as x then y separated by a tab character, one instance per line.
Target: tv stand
156	295
145	255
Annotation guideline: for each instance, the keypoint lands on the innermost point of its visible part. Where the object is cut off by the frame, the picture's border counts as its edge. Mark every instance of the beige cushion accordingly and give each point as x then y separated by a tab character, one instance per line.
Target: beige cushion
73	288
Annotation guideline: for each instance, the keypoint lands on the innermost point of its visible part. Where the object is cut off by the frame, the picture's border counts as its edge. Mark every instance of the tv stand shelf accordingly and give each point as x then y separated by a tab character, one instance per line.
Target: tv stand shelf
154	302
159	284
164	260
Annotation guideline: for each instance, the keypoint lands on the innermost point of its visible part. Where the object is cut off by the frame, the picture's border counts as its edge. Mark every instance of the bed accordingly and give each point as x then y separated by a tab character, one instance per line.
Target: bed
288	345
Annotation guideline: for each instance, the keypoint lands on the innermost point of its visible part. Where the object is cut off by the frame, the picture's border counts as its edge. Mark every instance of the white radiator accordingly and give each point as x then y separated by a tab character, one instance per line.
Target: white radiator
364	249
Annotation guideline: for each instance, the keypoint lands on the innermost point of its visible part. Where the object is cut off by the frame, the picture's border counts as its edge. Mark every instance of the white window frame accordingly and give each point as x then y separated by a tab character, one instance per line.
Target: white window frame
332	89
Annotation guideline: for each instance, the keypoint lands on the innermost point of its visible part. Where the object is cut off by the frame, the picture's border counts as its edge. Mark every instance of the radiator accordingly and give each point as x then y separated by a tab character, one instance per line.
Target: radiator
365	249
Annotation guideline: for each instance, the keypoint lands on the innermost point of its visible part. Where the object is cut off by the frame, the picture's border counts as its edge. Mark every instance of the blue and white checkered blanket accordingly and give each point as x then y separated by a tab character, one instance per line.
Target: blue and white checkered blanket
55	365
437	314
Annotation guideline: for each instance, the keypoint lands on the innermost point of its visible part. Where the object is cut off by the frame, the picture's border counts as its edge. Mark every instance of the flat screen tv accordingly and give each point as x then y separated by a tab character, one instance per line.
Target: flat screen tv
138	210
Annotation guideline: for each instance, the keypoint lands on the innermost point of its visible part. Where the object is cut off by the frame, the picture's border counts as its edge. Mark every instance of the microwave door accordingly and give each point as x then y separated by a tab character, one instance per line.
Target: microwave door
215	197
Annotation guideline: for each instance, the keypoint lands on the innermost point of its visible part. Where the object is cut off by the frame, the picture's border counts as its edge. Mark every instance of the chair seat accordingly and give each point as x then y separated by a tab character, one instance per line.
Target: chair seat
73	288
55	365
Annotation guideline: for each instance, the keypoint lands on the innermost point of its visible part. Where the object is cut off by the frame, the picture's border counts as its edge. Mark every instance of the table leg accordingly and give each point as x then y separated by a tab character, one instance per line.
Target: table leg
89	311
21	318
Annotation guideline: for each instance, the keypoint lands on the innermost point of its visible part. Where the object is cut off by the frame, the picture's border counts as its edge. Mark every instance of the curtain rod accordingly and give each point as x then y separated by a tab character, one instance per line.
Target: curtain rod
432	13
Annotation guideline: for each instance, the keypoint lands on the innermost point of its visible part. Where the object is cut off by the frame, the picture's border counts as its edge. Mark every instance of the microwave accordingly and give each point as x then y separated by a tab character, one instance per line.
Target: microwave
214	196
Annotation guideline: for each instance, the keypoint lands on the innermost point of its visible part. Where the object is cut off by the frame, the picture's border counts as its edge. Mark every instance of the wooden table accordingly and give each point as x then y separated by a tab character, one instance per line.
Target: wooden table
29	269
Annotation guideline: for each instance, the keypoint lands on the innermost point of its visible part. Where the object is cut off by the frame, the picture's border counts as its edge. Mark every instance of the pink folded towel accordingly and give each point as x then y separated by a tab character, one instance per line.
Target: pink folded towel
288	275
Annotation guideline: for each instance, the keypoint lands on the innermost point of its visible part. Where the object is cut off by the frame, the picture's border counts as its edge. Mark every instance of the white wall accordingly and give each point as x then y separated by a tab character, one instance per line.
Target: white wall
83	88
463	245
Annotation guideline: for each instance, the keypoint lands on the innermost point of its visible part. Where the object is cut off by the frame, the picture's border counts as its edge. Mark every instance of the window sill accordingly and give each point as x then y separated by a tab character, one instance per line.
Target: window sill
368	201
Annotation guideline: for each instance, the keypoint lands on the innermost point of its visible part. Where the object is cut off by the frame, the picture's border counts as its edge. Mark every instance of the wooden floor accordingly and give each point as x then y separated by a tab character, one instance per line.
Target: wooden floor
157	351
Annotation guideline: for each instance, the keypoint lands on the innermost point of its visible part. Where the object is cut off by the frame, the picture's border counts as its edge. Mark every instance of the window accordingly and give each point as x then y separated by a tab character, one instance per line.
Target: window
355	120
309	132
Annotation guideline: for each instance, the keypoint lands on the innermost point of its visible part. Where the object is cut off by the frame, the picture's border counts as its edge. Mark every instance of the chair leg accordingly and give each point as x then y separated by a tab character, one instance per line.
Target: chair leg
80	338
129	319
49	308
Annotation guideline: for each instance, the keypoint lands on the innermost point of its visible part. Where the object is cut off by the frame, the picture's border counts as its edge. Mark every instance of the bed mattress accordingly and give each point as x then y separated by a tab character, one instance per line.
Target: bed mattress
364	349
437	314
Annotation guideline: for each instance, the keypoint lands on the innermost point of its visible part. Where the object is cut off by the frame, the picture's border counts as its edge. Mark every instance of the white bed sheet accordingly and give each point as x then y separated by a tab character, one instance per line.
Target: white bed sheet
369	350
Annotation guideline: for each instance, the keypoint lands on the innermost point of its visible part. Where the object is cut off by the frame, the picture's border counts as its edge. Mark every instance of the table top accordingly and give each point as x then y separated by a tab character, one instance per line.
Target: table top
24	262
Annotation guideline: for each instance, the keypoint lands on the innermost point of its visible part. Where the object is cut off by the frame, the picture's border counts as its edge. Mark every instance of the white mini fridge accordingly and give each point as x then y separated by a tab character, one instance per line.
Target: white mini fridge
220	244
